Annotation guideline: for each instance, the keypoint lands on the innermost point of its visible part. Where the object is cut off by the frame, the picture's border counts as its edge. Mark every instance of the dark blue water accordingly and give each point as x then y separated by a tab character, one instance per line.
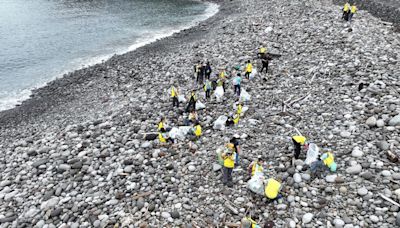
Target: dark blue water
42	39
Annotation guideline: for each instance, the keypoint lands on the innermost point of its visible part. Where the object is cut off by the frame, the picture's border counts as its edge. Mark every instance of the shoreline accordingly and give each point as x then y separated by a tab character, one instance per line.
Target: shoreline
29	107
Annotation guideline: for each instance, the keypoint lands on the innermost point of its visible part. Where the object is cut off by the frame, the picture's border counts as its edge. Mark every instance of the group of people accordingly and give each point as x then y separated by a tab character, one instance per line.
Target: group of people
349	11
229	157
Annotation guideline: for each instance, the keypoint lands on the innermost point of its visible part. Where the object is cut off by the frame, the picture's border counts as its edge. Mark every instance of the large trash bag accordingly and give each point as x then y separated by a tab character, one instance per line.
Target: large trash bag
253	74
181	99
179	132
219	124
200	105
244	95
256	183
219	93
312	154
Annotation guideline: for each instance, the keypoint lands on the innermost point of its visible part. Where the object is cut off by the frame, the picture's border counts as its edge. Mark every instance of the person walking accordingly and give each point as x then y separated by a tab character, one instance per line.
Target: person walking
249	69
265	62
346	11
353	10
192	102
236	84
256	166
207	88
208	70
197	72
174	96
229	163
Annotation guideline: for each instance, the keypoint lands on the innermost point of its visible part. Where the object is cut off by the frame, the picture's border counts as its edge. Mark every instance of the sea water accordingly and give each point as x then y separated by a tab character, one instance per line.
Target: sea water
41	40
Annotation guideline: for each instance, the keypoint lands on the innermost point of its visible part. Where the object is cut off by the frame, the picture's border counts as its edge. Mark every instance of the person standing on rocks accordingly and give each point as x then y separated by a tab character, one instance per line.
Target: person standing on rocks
353	10
249	69
229	163
174	96
298	141
192	102
236	84
208	88
265	62
208	70
161	124
196	69
346	11
256	166
202	73
239	108
222	78
236	147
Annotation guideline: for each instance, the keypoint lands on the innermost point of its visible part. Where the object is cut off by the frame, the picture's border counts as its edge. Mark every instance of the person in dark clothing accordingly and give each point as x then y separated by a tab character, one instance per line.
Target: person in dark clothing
192	102
208	70
202	73
236	144
265	62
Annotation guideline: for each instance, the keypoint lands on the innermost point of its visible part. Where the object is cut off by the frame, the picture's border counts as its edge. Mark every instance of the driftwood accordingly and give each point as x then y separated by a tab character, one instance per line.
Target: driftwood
297	100
389	200
140	195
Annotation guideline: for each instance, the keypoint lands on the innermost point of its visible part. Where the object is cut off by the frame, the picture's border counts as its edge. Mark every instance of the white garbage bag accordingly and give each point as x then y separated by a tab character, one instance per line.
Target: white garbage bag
179	132
312	154
244	95
256	183
200	105
181	99
219	124
253	74
219	93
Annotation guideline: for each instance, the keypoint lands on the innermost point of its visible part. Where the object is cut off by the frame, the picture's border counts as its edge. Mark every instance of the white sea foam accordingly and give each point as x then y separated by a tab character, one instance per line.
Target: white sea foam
10	100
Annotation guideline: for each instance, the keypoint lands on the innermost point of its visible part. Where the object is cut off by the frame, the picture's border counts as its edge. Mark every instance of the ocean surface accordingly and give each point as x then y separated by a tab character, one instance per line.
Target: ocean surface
41	40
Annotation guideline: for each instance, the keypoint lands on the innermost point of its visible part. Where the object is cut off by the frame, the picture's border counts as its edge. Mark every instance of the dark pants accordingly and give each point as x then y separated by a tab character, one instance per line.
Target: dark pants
345	16
175	102
264	65
208	75
227	175
247	75
199	78
350	16
297	149
191	106
237	89
208	92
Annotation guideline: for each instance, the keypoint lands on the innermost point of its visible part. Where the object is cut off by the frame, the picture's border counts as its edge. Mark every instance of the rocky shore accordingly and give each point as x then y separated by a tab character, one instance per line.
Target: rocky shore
74	154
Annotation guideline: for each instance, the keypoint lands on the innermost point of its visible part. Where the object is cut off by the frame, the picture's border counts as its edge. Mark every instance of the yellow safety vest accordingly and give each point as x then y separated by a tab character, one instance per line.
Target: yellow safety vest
329	160
173	92
272	188
236	119
239	109
249	67
353	9
194	96
253	223
229	161
346	7
262	50
256	168
161	138
222	75
160	125
299	139
197	130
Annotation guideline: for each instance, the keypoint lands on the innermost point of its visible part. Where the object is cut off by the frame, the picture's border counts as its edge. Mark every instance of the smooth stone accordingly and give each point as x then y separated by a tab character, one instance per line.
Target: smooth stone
331	178
371	121
192	168
362	191
386	173
216	167
345	134
367	175
396	176
398	219
297	178
356	169
357	153
338	222
175	214
374	218
380	123
383	145
165	215
395	121
307	218
343	189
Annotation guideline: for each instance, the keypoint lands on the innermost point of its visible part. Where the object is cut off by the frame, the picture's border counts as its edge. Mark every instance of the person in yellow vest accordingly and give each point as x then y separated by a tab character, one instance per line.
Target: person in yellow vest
327	161
192	102
197	131
236	118
163	136
229	163
346	11
272	189
256	166
161	124
249	69
298	141
239	108
222	79
262	52
174	96
353	10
